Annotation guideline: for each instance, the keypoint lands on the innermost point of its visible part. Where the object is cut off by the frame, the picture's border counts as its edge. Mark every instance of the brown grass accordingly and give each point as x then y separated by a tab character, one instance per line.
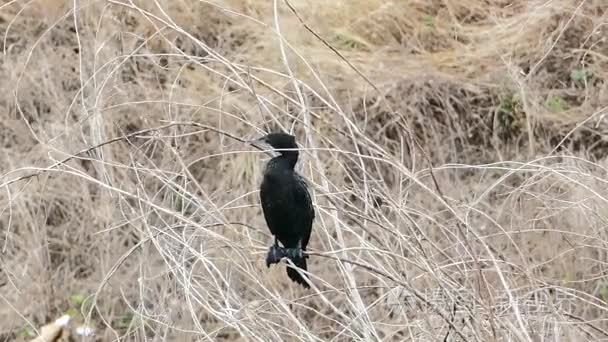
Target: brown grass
456	149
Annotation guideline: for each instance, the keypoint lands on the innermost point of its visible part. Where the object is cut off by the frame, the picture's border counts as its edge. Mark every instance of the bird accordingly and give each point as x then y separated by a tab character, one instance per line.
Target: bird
286	204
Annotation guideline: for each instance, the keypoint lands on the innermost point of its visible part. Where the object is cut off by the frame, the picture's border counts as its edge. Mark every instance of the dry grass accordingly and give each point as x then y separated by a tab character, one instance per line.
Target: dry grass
456	149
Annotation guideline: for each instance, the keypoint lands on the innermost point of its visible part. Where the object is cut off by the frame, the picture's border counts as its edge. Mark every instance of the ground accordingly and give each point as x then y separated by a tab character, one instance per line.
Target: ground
456	150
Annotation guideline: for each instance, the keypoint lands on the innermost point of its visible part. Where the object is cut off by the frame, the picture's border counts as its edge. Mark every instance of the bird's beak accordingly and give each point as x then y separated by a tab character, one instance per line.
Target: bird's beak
262	145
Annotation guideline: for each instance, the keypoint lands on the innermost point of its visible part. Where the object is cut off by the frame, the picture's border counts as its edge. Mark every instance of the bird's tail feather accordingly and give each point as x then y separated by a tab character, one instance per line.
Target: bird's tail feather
294	275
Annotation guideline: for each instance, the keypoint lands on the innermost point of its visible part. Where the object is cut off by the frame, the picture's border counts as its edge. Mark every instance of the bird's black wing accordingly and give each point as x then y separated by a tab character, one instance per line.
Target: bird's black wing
307	212
287	207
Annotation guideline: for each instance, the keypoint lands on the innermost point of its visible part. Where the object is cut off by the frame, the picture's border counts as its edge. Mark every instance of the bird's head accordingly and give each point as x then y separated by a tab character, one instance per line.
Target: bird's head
278	144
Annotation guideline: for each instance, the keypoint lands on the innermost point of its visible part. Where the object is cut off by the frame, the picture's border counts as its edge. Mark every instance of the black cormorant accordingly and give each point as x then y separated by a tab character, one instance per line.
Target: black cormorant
286	204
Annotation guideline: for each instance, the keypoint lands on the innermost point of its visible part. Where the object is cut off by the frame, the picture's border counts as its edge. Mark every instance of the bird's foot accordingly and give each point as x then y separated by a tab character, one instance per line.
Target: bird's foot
275	254
294	254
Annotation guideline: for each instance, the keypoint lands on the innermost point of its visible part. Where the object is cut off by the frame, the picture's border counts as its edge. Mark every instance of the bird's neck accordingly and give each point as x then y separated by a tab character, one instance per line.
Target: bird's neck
287	159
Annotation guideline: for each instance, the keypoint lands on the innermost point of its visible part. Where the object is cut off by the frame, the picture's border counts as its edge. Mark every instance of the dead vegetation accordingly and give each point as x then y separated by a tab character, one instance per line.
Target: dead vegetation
456	148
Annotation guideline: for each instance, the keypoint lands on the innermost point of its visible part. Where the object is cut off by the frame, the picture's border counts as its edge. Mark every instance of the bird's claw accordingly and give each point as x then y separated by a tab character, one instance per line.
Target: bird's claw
275	254
294	254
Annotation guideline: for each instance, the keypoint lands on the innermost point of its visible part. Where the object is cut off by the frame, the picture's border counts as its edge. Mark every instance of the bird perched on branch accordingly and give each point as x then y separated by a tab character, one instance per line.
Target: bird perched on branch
286	204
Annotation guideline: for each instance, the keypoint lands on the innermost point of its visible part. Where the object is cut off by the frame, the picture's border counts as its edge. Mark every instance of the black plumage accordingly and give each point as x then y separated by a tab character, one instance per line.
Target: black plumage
286	204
